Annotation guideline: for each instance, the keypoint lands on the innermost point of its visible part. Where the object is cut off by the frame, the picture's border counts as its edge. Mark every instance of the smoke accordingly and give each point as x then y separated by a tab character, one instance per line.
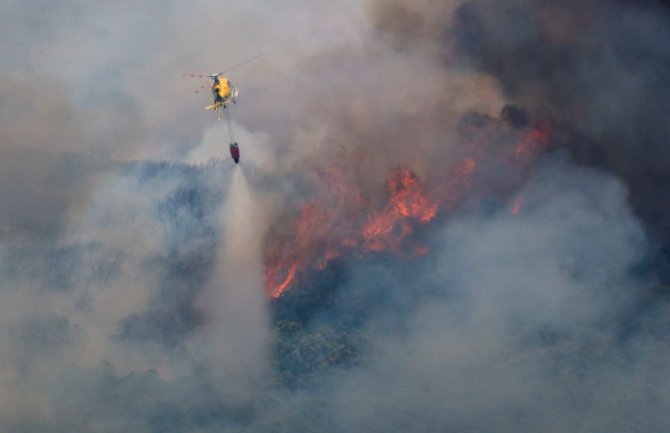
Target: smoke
132	250
598	68
516	323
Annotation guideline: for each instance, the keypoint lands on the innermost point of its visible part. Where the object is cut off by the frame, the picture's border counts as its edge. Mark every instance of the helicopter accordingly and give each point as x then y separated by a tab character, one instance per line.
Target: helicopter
222	88
224	93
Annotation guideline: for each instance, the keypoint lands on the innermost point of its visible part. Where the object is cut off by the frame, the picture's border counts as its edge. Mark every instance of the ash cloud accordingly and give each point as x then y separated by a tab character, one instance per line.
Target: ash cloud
130	271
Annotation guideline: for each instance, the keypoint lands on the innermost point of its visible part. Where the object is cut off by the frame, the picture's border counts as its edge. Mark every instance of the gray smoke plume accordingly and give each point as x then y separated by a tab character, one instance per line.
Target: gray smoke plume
597	68
131	247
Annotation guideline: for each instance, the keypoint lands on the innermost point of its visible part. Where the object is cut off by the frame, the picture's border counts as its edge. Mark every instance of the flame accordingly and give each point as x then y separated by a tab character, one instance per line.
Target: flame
272	273
387	229
537	138
341	220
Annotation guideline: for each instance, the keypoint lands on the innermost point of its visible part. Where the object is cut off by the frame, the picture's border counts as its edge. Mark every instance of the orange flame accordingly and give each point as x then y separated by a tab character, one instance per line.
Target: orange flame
537	138
288	280
387	229
328	226
341	220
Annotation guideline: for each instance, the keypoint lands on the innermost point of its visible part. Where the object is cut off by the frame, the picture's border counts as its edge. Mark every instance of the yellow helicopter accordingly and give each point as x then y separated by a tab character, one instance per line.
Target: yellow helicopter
222	89
223	92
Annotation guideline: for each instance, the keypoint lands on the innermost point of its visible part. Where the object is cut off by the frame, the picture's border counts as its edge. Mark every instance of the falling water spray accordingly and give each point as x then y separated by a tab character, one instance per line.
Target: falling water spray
236	346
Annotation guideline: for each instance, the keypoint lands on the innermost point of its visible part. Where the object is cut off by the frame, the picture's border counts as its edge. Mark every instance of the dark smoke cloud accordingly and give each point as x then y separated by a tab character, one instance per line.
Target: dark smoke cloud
131	263
598	68
601	70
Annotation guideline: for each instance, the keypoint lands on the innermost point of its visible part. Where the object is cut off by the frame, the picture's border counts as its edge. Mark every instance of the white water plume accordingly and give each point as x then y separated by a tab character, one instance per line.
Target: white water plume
238	324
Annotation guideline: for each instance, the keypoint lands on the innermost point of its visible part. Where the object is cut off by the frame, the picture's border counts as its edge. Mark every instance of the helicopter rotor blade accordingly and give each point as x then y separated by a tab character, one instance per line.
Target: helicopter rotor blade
202	87
250	59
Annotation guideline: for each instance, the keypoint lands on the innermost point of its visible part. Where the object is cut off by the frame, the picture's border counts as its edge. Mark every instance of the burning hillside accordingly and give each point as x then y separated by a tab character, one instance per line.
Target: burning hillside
450	215
342	220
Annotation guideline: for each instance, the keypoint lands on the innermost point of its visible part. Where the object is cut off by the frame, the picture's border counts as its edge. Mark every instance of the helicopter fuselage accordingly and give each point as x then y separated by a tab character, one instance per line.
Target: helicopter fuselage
221	89
223	92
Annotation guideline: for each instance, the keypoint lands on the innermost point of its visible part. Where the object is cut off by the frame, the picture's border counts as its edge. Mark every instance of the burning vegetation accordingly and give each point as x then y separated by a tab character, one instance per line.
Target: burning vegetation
342	219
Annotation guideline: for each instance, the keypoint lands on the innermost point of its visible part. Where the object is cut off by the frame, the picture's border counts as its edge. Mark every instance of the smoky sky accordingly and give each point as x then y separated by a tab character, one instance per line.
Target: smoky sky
132	249
598	68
